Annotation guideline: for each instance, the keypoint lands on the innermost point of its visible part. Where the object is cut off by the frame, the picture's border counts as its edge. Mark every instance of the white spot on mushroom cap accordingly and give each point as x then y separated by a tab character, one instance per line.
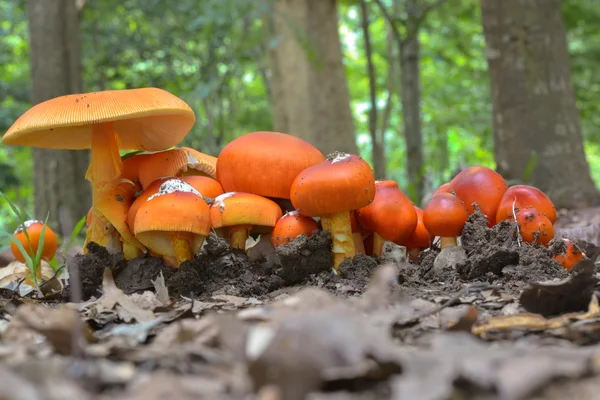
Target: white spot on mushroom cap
27	224
220	200
340	157
172	186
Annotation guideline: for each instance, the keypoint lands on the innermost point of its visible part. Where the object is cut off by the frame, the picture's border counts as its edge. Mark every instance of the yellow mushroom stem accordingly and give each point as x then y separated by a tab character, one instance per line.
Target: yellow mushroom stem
130	251
338	225
238	235
359	244
377	244
103	173
182	246
446	241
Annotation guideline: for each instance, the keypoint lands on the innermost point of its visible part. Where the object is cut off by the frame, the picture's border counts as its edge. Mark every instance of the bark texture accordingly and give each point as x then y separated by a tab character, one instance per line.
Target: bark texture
60	185
535	114
309	85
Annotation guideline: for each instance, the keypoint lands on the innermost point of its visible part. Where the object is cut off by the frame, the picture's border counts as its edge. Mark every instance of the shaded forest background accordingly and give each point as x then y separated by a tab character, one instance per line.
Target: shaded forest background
410	90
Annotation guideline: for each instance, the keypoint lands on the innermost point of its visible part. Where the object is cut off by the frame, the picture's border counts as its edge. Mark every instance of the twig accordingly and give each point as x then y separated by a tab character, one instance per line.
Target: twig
514	210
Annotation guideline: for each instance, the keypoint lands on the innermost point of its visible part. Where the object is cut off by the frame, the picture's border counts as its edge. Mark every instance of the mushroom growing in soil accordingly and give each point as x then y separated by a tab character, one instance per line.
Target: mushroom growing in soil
331	190
391	215
482	186
445	216
242	213
265	163
34	230
571	256
535	227
290	226
173	222
519	197
419	240
147	119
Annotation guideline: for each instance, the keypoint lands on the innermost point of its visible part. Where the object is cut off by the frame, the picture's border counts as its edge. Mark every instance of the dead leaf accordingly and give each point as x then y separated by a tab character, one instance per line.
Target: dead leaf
558	297
162	293
114	298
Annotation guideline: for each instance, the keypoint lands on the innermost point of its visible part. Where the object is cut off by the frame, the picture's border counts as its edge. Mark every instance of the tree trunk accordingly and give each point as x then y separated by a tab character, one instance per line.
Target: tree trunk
410	92
534	108
309	86
60	185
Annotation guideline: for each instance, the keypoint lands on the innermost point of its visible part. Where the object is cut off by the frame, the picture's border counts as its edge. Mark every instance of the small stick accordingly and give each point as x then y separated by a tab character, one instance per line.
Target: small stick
515	217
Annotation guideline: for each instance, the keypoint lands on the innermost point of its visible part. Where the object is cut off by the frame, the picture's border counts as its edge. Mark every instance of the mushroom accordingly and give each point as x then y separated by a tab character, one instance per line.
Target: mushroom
390	216
141	199
160	164
535	227
570	256
265	163
330	190
290	226
148	119
519	197
209	187
482	186
419	240
34	231
358	234
445	216
242	213
173	222
200	163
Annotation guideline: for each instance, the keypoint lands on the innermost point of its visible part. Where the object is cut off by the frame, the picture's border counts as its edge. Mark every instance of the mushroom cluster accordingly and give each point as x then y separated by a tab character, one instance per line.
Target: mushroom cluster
165	200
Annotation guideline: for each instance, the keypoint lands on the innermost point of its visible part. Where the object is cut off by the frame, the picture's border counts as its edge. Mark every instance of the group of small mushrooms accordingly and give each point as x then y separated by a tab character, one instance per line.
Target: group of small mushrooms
165	200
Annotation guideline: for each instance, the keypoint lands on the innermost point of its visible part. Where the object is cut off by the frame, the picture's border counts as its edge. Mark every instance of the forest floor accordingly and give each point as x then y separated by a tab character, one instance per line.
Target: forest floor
492	319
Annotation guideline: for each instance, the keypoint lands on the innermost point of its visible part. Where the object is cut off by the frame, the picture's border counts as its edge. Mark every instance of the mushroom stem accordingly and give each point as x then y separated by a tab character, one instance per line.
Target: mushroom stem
448	241
238	235
182	246
359	244
413	254
338	225
377	244
130	251
105	168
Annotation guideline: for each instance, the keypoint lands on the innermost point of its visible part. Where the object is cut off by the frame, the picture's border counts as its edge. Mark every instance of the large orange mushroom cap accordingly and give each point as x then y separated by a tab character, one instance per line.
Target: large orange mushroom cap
391	214
341	183
208	187
525	196
265	163
201	164
483	186
34	230
445	216
160	164
290	226
141	199
535	227
420	237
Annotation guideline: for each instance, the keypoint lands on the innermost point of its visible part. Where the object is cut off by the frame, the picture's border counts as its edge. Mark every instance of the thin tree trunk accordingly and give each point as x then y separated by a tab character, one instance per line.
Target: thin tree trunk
377	146
60	185
309	87
534	108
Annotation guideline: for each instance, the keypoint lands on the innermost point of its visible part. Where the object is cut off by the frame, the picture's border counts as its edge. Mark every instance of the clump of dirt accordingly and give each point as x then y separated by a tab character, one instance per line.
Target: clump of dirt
90	269
353	277
303	256
138	274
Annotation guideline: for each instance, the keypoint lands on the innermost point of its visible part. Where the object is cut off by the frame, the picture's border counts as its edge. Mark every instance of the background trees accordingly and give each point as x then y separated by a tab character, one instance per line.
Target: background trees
405	82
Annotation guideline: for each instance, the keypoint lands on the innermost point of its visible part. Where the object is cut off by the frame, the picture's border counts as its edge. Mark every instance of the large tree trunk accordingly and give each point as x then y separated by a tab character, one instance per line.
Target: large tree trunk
60	185
533	99
309	86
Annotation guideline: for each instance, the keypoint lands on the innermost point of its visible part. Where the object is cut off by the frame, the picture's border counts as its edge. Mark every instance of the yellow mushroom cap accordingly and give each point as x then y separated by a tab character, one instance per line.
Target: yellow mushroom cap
237	208
149	119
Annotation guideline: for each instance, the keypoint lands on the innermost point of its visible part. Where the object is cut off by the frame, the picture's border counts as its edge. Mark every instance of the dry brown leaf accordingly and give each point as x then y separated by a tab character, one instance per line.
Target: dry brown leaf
17	270
536	321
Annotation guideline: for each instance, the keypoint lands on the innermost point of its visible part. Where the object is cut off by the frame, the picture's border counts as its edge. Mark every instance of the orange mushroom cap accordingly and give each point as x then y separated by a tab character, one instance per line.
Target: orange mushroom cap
238	208
571	255
163	163
391	214
200	163
34	230
524	196
175	207
444	188
290	226
420	237
445	215
535	227
483	186
342	182
142	197
265	163
208	187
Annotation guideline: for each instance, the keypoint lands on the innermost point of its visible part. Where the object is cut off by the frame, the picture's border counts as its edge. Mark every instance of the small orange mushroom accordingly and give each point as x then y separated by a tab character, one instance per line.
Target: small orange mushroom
571	256
242	213
331	190
525	196
445	216
173	222
208	187
390	216
142	198
34	230
358	234
482	186
290	226
534	226
420	238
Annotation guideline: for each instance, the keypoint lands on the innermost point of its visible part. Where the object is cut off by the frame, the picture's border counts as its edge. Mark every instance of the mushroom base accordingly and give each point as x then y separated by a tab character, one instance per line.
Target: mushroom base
340	228
378	242
238	235
359	244
448	241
